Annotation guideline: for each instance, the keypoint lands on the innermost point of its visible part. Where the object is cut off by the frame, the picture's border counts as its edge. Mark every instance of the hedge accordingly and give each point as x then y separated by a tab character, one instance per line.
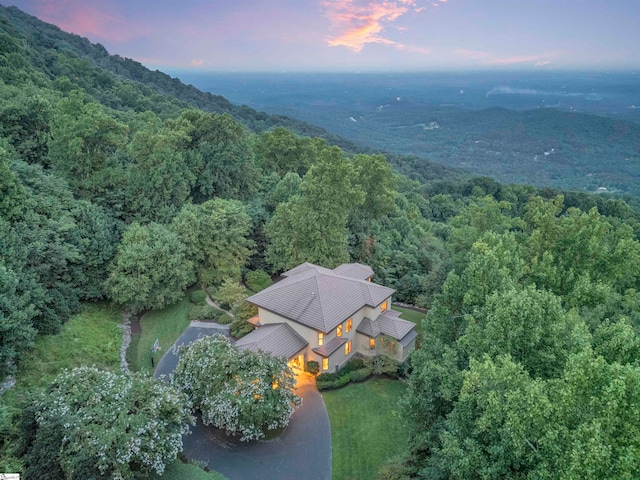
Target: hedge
224	319
198	297
332	384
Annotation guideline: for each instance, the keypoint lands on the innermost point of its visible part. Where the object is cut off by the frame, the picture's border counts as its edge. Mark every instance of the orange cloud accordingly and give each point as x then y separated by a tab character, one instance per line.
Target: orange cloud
364	21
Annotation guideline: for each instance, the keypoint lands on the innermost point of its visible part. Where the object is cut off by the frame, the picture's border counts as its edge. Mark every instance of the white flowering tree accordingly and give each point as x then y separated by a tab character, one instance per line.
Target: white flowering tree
244	393
106	425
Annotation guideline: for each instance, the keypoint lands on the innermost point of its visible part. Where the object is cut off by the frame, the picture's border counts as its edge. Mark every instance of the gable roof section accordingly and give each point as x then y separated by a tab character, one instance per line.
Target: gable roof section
354	270
304	267
318	298
388	324
329	348
278	339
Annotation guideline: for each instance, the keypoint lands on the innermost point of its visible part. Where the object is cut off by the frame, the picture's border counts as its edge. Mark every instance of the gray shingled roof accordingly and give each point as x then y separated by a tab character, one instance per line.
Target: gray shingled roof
329	348
406	340
303	267
368	327
318	297
387	323
354	270
278	339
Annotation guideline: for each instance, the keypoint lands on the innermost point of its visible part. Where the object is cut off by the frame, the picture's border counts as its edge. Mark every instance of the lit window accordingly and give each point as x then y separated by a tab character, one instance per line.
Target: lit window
347	348
339	331
372	343
349	324
320	338
383	307
325	364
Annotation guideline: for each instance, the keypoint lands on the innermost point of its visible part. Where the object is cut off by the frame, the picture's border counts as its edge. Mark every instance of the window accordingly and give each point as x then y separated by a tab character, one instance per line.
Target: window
349	324
372	343
347	348
320	338
325	364
339	331
383	307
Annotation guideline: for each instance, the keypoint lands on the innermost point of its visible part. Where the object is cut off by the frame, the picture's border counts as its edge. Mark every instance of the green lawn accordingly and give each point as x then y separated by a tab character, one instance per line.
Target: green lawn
166	325
90	338
366	427
186	471
412	316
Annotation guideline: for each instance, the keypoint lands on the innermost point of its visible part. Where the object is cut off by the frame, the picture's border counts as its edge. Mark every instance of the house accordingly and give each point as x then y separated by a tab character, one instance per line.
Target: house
315	313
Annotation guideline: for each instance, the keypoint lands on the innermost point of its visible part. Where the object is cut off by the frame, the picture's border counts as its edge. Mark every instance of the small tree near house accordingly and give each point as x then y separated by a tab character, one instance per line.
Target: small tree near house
246	393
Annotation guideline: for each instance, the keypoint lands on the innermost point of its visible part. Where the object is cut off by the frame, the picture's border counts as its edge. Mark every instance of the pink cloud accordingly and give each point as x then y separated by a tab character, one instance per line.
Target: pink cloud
364	21
87	19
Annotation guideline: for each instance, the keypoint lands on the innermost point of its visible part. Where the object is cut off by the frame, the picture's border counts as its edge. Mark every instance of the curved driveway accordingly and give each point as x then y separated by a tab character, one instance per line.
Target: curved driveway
302	451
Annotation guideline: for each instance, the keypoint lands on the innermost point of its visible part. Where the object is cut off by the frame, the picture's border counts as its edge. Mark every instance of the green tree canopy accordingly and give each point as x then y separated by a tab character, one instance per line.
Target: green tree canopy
216	237
150	269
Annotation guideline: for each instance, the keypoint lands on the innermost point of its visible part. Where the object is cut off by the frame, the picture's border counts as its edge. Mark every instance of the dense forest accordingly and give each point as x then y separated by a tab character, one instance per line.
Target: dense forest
121	184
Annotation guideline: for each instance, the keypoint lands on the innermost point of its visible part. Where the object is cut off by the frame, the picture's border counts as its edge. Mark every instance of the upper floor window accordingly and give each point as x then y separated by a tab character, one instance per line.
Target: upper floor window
339	331
349	324
384	306
347	348
320	338
372	343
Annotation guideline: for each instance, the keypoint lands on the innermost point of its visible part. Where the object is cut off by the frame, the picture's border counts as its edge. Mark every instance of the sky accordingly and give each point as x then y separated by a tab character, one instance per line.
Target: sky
356	35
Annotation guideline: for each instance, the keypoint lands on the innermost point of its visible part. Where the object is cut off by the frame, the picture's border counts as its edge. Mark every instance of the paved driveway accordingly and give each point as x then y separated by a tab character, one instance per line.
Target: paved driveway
302	451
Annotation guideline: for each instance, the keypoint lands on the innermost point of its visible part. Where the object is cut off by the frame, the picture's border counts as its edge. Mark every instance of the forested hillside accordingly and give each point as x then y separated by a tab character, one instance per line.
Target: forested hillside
117	190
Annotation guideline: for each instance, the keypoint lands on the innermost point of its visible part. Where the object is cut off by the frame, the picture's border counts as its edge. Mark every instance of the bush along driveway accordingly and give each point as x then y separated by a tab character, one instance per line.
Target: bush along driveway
302	451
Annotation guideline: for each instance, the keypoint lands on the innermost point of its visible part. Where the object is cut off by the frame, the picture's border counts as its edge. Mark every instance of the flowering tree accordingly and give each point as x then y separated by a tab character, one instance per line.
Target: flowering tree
101	424
242	392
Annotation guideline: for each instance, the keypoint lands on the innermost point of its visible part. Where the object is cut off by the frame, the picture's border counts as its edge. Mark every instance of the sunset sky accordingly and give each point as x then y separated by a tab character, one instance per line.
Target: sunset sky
356	35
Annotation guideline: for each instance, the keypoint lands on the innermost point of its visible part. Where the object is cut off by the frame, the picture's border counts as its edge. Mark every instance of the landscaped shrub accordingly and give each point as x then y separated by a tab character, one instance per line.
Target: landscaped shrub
203	312
328	377
239	328
257	280
225	319
332	384
361	374
312	367
198	297
384	365
352	365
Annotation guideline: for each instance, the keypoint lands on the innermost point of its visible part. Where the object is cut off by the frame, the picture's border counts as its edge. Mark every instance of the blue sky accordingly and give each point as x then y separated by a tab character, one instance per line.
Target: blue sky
356	35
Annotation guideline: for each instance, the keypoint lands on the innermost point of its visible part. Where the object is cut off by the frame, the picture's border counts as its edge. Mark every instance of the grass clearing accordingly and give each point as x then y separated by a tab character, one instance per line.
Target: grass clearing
91	337
366	427
166	325
412	316
183	471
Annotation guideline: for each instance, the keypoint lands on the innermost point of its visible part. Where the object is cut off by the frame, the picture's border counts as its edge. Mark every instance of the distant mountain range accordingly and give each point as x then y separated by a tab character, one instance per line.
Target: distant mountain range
544	147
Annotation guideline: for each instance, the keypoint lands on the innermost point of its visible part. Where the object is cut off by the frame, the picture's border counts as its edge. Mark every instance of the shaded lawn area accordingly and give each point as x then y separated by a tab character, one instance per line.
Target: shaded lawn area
166	325
412	316
366	427
187	471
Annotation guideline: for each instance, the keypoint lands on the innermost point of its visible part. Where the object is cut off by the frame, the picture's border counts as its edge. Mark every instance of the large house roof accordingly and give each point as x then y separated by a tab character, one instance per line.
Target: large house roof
354	270
387	323
278	339
318	297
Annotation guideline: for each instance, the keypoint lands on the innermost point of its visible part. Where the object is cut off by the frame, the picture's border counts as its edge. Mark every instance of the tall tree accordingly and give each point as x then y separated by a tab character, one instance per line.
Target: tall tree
83	140
216	237
312	226
150	269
